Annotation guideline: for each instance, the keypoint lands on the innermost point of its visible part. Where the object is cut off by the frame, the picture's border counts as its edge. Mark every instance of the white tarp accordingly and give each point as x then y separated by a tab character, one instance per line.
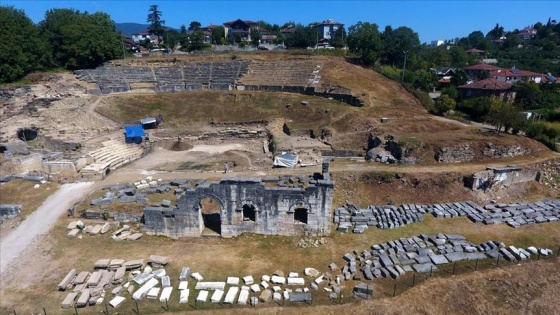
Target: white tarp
286	160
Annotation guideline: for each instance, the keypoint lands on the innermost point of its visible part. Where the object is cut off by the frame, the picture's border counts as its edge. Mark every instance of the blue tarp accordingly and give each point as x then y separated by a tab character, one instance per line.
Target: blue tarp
134	133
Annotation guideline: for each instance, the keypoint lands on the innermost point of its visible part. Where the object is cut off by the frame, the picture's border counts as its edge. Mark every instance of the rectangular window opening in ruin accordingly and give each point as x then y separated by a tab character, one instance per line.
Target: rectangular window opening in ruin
300	216
249	213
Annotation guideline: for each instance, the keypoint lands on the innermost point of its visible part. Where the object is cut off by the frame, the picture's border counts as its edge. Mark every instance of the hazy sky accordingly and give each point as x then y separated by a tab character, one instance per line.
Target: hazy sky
430	19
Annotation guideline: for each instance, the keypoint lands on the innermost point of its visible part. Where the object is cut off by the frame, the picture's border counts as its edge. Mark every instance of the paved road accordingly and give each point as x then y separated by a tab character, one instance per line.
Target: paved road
40	221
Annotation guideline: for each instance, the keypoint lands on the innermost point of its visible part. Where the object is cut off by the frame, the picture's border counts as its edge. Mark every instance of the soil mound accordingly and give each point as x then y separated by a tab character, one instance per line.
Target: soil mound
174	145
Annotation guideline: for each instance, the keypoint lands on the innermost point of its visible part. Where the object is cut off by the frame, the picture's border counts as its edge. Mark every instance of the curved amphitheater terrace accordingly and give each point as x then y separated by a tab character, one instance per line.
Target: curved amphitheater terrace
83	119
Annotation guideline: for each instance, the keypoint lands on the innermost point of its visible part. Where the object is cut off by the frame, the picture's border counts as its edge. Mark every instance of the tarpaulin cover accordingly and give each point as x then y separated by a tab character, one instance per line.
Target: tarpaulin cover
286	160
134	133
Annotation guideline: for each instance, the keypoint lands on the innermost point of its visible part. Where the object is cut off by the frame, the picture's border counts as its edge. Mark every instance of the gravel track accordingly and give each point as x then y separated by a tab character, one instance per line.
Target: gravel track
40	221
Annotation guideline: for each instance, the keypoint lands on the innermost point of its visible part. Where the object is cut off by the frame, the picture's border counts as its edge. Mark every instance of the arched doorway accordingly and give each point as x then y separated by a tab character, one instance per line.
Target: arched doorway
210	211
300	215
249	213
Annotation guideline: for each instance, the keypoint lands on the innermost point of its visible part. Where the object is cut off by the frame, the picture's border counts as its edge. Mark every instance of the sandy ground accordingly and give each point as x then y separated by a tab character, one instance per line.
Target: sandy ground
40	221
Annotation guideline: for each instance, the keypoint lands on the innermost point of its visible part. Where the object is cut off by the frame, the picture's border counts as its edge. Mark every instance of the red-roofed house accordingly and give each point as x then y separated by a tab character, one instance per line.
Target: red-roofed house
241	28
488	87
527	33
479	69
288	30
514	75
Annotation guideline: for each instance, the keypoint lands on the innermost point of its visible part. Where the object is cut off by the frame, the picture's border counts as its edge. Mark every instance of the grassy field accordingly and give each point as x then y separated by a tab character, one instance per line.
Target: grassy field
10	193
217	258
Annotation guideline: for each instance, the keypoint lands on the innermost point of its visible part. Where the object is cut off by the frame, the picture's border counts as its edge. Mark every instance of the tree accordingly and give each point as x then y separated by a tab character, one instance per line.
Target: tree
22	49
503	115
496	32
395	42
218	33
364	39
339	38
255	37
194	26
303	37
156	23
444	104
459	57
81	40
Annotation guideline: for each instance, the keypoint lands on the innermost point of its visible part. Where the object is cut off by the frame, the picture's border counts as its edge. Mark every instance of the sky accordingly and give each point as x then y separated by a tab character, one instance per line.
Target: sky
432	20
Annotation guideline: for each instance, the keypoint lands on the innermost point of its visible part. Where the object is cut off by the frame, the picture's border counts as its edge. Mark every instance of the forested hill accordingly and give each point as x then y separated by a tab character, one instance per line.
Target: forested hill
130	28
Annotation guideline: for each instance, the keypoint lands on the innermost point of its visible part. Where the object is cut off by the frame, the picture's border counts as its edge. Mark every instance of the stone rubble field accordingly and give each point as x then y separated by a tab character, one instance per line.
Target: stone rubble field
351	217
116	280
424	253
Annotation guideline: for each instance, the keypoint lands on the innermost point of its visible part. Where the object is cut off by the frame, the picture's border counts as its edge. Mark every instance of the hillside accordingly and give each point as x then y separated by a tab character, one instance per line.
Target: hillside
344	127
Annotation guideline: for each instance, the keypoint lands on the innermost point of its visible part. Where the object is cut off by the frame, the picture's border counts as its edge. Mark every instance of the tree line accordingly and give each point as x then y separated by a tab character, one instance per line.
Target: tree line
66	38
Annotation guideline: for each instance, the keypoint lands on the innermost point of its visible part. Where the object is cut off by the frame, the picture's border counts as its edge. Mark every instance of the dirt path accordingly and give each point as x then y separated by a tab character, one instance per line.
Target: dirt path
40	221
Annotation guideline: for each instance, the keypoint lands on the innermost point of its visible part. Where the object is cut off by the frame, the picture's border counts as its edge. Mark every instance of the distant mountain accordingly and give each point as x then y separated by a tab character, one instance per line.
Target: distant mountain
131	28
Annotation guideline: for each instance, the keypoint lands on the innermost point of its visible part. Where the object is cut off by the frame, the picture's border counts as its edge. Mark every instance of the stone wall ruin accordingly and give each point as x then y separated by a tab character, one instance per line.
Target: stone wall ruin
272	206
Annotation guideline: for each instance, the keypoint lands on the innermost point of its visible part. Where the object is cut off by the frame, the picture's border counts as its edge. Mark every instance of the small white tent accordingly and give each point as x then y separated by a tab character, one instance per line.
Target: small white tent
286	160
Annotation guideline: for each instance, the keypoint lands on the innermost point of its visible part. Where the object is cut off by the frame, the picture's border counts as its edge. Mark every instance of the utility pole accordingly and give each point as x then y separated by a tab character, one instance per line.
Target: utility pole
122	42
404	66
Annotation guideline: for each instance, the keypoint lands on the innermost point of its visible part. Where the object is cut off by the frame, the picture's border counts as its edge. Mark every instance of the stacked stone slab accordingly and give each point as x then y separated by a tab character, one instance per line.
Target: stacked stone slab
424	253
518	214
351	217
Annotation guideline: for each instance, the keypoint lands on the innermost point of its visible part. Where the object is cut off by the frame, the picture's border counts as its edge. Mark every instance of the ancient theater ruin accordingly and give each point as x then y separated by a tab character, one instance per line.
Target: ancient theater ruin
284	205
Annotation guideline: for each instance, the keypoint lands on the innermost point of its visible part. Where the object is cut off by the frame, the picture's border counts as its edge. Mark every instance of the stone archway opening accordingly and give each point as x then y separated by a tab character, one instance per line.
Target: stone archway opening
300	215
249	213
211	216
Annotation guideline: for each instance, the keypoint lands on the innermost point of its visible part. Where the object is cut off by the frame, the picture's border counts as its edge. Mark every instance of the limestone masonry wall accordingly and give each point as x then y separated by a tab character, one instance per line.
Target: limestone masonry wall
276	201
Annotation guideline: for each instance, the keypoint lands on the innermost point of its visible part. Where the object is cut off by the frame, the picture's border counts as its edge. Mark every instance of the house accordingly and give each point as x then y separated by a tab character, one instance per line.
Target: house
140	37
288	30
240	29
327	29
515	75
479	69
527	33
488	87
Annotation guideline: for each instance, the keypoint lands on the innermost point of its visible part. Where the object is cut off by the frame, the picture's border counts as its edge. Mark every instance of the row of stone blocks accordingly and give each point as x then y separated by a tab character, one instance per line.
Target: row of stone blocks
424	253
351	217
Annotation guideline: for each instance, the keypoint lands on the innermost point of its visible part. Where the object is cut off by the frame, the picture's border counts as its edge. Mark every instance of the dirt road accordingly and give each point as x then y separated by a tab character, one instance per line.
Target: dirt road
40	221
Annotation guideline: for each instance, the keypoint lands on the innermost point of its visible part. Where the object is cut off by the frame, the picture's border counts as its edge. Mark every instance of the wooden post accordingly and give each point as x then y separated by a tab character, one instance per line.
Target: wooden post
498	261
394	289
431	270
414	280
454	265
476	265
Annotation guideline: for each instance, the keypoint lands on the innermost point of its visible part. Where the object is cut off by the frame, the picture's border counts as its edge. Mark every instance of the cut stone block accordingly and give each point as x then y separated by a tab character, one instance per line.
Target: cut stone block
202	296
231	295
210	285
248	280
68	301
217	296
184	296
116	301
232	281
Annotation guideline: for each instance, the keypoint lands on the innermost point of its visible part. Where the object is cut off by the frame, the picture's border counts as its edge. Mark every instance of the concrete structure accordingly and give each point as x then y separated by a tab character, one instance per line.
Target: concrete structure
273	206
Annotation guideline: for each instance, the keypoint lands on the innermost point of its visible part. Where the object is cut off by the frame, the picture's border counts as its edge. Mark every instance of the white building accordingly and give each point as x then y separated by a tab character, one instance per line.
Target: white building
436	43
328	28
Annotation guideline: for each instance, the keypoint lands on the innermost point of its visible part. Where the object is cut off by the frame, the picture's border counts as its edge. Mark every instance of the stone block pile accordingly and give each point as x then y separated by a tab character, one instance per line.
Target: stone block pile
9	211
352	218
518	214
424	253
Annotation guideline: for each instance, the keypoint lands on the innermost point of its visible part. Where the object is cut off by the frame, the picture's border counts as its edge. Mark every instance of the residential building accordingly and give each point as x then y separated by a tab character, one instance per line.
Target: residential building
527	33
327	29
488	87
240	29
514	75
288	30
479	70
436	43
140	37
